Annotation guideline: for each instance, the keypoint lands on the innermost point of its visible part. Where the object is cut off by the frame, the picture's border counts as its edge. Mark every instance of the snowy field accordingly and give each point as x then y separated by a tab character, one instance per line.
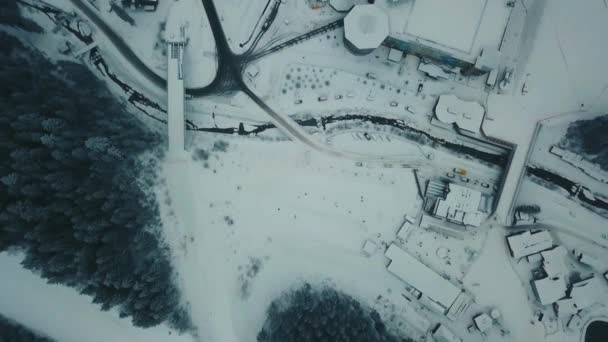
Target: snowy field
268	216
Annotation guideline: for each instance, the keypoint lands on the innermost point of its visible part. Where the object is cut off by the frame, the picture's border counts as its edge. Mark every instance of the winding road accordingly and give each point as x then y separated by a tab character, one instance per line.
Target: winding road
229	78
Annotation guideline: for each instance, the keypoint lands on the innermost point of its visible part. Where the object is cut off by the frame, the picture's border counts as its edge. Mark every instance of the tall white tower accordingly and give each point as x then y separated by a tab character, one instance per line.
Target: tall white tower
176	36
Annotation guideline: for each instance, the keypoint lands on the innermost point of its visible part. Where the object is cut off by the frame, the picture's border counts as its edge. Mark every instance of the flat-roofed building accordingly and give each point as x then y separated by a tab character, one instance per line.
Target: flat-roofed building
464	33
586	292
549	290
439	292
528	243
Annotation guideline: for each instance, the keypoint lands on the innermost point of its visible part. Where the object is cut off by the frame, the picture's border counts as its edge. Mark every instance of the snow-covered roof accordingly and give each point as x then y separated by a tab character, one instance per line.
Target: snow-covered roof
366	27
566	307
483	322
342	5
395	55
554	261
443	334
424	279
462	18
461	29
405	230
460	205
528	243
586	292
549	290
468	115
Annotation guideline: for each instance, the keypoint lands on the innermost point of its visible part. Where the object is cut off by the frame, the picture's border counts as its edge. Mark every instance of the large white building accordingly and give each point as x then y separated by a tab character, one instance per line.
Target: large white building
476	35
437	292
549	290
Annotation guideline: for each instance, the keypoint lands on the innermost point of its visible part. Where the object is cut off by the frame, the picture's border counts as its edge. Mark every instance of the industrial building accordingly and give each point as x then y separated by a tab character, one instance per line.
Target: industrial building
528	243
438	293
481	35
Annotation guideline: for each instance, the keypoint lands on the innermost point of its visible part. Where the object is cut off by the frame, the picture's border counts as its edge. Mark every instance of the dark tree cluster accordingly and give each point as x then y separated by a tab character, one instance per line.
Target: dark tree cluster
13	332
589	139
311	314
69	191
10	15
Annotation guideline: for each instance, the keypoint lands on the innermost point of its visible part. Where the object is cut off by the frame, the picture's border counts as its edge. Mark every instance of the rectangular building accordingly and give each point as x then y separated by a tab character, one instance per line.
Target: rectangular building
421	277
528	243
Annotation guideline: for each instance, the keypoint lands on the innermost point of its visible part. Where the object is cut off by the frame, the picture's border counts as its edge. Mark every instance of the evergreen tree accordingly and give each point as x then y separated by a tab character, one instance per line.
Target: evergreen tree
69	195
314	315
14	332
588	138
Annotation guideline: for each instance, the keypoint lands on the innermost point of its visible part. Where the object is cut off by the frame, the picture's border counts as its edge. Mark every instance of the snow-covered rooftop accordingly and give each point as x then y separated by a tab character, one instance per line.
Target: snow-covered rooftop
177	23
467	115
461	28
554	261
460	205
586	292
483	322
549	290
528	243
424	279
366	27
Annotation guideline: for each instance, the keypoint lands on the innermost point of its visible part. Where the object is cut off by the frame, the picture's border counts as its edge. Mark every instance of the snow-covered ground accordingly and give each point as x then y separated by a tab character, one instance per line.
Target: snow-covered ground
63	314
260	218
293	19
270	215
